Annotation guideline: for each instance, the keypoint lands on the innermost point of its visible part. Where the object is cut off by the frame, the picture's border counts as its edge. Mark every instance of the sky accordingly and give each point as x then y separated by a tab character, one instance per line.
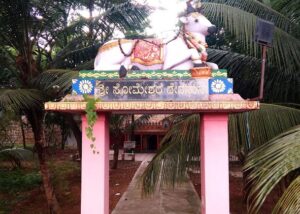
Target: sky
163	19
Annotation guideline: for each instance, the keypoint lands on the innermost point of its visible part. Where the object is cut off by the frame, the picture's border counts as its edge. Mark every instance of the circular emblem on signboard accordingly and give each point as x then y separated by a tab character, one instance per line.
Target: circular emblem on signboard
85	86
218	86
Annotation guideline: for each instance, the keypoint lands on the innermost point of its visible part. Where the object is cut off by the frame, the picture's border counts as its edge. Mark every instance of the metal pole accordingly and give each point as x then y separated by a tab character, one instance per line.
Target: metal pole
262	76
263	67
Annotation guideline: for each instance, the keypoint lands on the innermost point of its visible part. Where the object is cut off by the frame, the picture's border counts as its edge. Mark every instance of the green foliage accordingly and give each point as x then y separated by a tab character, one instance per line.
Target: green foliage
38	35
264	124
6	116
20	99
91	116
290	200
263	11
180	146
16	156
19	180
179	151
61	173
290	9
238	19
267	165
56	83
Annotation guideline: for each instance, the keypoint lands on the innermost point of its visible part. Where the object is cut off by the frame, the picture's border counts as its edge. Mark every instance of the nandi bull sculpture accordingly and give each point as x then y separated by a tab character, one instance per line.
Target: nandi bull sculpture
183	52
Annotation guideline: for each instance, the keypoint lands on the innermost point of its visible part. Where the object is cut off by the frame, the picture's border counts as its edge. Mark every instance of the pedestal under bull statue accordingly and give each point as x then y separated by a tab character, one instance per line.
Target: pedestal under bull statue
183	52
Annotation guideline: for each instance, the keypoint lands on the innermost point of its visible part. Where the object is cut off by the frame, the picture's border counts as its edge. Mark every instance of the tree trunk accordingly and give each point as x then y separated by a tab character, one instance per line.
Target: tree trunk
131	138
23	133
35	119
91	26
76	131
116	153
63	143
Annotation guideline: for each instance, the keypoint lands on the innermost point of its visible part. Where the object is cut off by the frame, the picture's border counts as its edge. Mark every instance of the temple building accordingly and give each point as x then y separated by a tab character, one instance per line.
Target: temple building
149	134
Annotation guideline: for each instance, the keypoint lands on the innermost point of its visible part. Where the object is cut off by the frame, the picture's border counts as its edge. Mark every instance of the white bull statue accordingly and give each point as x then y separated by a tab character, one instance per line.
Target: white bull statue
183	52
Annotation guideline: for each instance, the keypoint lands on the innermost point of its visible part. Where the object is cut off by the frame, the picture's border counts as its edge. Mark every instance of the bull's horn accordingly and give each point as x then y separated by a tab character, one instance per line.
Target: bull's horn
189	7
199	7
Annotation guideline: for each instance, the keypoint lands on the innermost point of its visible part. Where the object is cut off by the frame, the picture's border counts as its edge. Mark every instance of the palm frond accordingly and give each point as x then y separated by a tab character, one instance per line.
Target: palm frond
20	99
290	200
268	164
116	123
86	65
252	129
231	60
56	82
136	122
286	49
20	153
180	147
282	87
127	16
245	70
16	155
70	58
290	9
263	11
292	105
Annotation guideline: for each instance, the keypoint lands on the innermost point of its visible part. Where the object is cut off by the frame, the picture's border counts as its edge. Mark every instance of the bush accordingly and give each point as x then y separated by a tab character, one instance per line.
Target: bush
19	180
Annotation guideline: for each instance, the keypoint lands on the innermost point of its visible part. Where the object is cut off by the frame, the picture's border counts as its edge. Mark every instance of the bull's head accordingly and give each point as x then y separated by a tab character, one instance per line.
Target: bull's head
195	21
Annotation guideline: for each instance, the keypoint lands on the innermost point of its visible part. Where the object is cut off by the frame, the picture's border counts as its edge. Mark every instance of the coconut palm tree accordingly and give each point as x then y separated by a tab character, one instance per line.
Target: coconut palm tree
238	18
248	132
38	35
273	163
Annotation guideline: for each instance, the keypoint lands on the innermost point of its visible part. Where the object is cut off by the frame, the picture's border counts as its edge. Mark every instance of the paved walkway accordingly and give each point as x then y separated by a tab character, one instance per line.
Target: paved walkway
181	200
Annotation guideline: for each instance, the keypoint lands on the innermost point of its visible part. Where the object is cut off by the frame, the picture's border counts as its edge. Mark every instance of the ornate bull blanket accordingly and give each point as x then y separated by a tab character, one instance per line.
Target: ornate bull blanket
148	52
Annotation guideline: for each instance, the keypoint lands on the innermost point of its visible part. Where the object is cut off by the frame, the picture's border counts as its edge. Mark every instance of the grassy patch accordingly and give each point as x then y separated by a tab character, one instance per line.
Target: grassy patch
61	172
17	186
14	187
19	180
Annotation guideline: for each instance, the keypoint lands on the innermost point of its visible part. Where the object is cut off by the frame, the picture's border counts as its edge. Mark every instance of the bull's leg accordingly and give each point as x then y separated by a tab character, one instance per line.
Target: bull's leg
135	68
122	71
196	57
213	66
125	66
184	65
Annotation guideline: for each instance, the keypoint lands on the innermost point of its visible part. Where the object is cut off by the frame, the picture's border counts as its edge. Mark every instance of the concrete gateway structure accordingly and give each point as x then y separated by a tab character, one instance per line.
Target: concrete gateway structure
183	84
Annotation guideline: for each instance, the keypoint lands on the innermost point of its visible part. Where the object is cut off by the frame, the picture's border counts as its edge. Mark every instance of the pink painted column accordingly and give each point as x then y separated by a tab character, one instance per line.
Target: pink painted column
214	163
95	168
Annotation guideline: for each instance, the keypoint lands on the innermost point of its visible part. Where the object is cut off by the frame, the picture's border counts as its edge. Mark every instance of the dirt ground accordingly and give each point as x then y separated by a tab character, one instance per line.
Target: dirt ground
237	204
68	188
66	180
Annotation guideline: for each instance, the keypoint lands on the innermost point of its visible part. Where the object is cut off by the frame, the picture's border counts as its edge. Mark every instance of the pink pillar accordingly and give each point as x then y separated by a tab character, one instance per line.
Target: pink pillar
214	163
95	168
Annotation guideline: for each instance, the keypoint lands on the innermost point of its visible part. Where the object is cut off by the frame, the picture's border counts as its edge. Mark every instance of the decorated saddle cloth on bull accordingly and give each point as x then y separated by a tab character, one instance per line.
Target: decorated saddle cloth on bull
148	52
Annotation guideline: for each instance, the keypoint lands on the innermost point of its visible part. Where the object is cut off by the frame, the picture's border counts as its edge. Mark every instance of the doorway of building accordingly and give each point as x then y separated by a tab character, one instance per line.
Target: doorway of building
152	143
138	146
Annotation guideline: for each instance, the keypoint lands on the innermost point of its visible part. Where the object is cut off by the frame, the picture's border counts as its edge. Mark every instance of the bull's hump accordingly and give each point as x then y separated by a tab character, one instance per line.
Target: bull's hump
113	43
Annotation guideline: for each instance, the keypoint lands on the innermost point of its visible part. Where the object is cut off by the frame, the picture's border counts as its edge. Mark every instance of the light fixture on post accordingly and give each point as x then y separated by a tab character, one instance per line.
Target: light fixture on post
263	36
